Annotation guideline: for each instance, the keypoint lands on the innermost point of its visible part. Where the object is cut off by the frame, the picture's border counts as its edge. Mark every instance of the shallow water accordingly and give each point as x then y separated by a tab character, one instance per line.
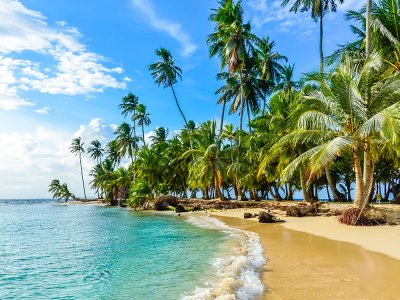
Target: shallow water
88	252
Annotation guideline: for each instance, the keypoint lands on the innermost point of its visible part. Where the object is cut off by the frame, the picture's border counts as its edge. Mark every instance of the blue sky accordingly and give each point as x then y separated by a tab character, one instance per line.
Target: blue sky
65	65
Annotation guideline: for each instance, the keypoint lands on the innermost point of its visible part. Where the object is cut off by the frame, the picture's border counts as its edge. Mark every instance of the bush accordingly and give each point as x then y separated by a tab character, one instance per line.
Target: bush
138	194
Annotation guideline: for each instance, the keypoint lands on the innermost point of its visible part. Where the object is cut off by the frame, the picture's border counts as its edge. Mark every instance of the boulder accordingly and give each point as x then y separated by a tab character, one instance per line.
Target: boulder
247	215
265	217
180	208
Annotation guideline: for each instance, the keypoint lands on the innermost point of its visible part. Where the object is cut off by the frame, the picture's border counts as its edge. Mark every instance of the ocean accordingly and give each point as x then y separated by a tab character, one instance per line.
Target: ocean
53	251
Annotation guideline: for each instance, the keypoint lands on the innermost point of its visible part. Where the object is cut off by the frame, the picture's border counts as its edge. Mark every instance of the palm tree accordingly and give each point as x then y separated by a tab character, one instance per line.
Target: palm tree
318	9
267	62
60	191
246	92
368	28
207	166
160	137
166	73
113	154
338	120
143	118
226	15
95	151
129	105
77	148
102	178
125	141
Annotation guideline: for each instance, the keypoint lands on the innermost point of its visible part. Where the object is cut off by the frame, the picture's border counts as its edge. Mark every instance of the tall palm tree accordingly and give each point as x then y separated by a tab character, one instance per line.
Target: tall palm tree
166	73
125	141
129	105
318	9
143	118
267	63
368	28
77	148
225	16
95	151
338	120
245	92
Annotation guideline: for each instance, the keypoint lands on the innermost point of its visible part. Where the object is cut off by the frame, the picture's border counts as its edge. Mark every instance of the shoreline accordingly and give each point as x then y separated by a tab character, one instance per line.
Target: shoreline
322	259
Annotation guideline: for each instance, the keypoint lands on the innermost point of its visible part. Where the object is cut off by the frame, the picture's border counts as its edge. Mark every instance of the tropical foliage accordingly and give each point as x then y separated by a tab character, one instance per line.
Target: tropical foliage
336	130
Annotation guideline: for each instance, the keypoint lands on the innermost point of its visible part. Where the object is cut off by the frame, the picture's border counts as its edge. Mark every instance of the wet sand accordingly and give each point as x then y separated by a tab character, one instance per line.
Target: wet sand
305	266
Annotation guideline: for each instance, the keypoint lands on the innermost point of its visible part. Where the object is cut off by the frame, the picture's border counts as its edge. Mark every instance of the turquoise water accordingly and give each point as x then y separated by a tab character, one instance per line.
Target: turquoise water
50	251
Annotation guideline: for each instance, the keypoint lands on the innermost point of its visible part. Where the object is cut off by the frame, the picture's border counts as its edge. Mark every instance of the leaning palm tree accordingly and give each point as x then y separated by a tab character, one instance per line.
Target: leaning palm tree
96	151
166	73
143	118
338	120
77	149
318	9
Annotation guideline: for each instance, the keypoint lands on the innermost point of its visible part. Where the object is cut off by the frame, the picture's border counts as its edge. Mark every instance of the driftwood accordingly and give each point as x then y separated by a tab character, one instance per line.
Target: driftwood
302	210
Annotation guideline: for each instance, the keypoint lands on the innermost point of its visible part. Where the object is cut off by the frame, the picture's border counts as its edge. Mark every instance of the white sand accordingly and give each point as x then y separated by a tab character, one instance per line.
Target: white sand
383	239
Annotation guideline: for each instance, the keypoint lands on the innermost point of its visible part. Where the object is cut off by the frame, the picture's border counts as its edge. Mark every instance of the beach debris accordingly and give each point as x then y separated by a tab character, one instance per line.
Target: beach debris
248	215
165	202
362	217
264	217
180	208
302	210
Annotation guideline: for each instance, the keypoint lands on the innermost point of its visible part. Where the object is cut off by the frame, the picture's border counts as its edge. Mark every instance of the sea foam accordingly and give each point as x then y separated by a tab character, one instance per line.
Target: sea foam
235	273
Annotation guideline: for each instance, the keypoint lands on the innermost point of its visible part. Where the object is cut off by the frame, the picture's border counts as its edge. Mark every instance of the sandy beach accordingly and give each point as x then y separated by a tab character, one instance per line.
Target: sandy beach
319	258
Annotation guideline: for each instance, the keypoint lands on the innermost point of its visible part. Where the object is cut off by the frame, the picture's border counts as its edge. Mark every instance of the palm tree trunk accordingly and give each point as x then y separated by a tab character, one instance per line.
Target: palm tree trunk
180	110
368	29
358	199
241	107
144	143
321	37
337	196
134	150
248	116
303	182
221	126
83	182
368	176
183	116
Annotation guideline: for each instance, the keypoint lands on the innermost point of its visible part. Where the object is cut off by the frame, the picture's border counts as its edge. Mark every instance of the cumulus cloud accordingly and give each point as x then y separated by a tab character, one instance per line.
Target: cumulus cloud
43	111
173	29
29	161
62	63
271	13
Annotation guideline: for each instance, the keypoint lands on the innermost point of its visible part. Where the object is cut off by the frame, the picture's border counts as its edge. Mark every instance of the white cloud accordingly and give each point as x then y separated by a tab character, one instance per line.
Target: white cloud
97	129
271	13
148	136
62	63
43	110
29	161
173	29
